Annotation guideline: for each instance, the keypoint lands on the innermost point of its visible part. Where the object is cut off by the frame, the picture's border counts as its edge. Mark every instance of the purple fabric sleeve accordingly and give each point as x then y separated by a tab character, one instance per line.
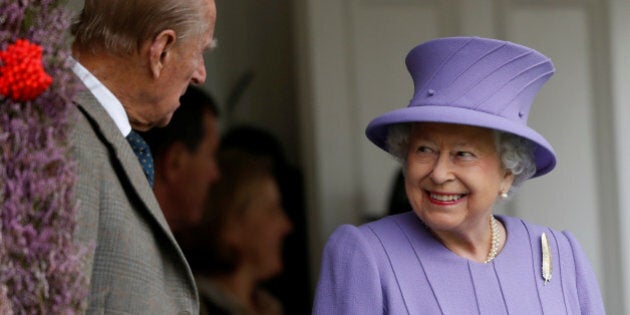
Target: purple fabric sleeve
587	286
349	280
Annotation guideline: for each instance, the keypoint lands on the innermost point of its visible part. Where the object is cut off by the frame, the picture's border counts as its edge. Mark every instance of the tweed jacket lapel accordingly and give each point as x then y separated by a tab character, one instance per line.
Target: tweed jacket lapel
134	246
122	150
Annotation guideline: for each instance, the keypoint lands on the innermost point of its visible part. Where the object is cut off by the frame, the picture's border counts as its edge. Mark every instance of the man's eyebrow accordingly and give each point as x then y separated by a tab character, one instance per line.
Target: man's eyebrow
212	44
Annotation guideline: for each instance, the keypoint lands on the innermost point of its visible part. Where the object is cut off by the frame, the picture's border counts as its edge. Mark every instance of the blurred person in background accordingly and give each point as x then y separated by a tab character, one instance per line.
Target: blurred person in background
239	243
292	285
185	159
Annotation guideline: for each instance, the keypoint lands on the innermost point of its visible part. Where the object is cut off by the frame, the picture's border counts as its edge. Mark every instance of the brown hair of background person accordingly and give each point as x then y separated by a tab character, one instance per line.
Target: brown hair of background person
239	243
185	159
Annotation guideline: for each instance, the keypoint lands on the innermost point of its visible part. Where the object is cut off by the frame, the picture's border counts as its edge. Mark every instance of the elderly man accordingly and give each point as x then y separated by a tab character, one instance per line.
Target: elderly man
135	59
185	162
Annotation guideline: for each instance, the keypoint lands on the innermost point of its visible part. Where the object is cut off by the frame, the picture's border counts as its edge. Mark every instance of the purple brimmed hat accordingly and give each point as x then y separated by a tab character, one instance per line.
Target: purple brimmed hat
474	81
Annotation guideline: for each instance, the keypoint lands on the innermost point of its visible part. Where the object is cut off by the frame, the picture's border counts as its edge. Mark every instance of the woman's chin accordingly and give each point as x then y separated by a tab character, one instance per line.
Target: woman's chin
439	220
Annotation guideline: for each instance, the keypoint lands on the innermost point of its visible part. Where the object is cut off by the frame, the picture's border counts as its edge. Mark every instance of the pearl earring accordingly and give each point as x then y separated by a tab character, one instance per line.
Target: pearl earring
504	195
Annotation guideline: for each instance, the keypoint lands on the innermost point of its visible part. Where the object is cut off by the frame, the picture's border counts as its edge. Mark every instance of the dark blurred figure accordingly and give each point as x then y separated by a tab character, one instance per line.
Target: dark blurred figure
292	286
185	159
239	243
398	202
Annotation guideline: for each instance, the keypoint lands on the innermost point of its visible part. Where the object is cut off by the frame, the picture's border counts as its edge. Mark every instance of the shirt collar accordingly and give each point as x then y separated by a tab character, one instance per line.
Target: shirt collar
105	97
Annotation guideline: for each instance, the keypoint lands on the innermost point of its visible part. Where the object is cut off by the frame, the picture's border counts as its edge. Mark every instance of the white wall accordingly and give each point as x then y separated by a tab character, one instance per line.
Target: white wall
254	37
619	12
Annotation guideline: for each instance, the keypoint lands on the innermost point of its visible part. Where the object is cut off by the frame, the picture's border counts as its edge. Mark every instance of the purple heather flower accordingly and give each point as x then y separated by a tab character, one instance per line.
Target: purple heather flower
40	264
6	307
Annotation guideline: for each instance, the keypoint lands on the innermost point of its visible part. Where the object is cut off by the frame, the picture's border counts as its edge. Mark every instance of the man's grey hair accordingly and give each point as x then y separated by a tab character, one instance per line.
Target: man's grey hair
120	27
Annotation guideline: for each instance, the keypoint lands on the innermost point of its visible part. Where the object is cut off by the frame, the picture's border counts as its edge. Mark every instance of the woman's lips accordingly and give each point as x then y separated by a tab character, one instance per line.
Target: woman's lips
444	198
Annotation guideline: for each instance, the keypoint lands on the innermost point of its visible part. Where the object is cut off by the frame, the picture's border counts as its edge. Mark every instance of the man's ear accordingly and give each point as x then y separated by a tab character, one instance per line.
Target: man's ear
174	160
160	51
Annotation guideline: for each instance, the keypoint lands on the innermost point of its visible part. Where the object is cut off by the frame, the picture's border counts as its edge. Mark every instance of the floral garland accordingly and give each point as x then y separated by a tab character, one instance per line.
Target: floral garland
40	265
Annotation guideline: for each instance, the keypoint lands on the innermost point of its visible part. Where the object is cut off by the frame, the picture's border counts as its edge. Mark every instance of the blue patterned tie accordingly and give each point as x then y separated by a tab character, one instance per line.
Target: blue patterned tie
142	151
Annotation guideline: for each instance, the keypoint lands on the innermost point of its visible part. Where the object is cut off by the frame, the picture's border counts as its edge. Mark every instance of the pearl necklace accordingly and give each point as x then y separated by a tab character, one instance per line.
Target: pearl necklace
494	244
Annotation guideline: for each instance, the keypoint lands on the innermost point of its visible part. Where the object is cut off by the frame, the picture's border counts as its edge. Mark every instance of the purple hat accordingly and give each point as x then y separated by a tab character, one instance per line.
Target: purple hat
474	81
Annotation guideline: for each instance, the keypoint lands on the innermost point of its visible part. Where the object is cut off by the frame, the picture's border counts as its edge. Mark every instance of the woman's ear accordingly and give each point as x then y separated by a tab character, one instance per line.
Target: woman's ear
160	51
506	182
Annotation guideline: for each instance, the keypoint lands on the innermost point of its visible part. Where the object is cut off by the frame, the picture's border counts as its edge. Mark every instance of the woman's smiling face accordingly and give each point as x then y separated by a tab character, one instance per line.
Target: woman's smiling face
453	175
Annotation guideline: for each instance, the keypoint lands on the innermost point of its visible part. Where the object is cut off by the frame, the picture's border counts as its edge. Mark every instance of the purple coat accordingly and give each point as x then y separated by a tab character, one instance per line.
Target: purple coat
395	266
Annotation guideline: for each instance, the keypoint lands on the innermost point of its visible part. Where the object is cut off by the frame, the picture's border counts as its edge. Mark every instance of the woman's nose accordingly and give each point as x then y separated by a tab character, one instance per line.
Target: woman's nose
442	169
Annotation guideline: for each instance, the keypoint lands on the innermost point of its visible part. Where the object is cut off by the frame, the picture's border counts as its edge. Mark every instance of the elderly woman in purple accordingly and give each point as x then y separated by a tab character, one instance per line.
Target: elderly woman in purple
463	142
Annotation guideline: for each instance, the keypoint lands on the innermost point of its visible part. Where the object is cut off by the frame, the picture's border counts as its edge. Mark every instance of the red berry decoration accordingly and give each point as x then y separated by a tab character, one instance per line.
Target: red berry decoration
22	75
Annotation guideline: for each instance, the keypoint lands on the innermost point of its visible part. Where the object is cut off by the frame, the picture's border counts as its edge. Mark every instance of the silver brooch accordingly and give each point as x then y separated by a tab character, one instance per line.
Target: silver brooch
547	268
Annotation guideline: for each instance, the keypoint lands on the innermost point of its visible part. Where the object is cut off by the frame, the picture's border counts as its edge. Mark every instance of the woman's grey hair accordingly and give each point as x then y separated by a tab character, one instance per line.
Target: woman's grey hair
120	27
517	156
398	141
515	152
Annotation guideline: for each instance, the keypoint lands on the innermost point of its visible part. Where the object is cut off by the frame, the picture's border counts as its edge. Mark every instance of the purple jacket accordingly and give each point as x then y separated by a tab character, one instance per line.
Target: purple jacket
395	266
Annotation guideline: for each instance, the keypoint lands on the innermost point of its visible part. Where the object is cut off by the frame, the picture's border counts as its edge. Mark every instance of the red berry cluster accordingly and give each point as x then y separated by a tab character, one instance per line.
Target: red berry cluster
22	75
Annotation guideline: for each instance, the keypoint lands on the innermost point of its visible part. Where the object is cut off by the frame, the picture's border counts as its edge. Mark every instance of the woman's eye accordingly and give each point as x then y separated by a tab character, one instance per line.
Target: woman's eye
464	154
424	149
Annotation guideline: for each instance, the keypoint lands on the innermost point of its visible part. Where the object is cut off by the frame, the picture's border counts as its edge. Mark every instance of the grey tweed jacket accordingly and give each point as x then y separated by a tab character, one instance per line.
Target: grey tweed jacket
134	263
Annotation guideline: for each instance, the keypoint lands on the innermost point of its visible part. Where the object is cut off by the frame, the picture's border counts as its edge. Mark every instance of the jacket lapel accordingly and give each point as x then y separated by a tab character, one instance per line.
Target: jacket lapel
122	151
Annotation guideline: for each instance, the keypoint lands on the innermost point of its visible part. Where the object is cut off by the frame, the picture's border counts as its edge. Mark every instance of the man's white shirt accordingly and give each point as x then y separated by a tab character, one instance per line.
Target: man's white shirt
108	100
